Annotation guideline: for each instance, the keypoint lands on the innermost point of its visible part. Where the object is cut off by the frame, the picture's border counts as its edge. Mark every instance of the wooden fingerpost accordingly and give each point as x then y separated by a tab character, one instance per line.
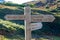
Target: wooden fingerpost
27	13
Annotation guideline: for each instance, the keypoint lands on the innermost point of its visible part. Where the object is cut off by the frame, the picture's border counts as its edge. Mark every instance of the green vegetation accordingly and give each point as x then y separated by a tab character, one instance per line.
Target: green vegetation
11	29
14	29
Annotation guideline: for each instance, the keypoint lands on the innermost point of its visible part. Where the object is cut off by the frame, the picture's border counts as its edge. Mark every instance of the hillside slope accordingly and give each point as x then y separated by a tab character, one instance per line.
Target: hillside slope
16	28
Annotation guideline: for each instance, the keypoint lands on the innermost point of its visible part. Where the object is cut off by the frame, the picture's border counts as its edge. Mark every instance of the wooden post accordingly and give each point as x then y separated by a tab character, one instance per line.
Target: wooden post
27	13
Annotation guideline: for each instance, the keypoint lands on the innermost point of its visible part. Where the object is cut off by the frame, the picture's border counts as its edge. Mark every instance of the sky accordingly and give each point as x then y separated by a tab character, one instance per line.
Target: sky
19	1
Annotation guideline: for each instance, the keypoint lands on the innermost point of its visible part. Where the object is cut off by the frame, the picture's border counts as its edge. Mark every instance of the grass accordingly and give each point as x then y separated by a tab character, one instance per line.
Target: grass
44	9
9	24
9	7
56	38
13	38
17	37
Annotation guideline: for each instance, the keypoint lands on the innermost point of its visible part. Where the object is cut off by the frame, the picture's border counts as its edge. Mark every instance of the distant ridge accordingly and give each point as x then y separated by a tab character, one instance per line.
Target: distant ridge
43	1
